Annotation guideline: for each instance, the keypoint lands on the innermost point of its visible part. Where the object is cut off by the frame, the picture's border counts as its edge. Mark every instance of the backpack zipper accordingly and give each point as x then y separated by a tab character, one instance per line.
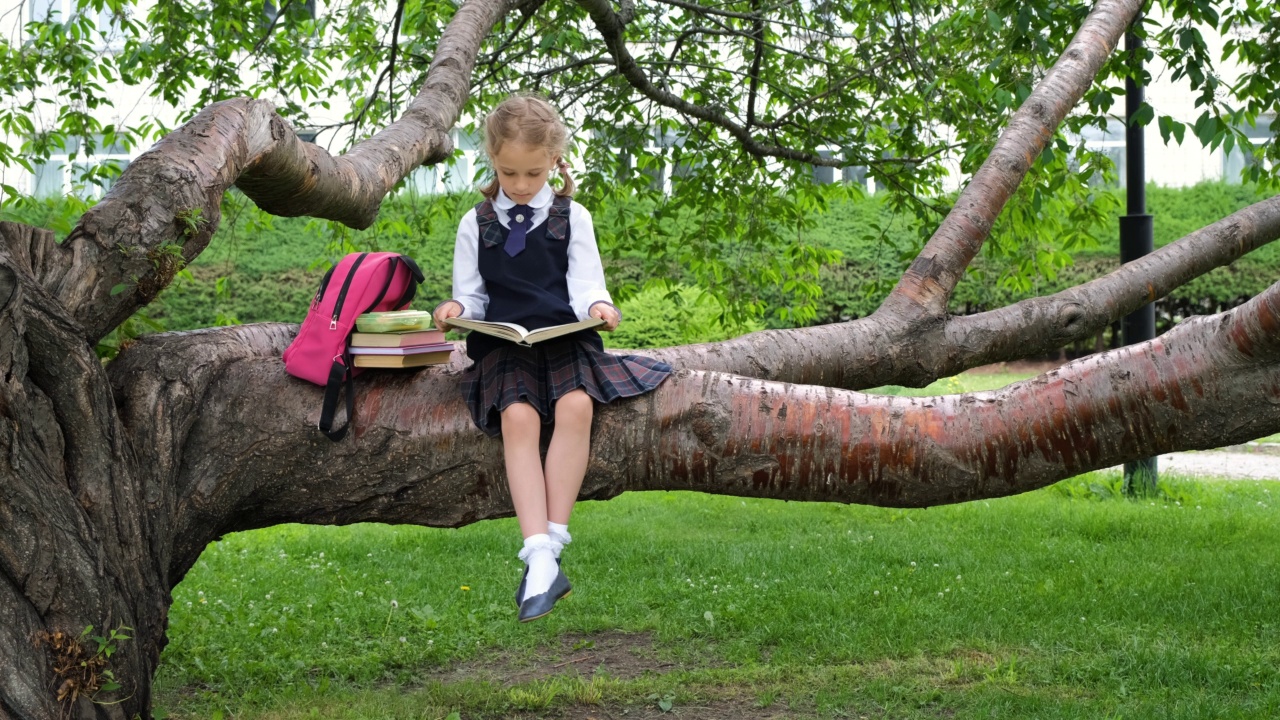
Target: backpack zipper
342	294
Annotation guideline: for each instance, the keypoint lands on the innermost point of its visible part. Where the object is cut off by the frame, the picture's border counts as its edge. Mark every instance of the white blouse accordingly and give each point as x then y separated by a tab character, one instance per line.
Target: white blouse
586	273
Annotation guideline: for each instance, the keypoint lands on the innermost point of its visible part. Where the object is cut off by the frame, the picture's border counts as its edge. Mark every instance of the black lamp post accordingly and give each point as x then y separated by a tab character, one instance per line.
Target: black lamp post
1136	238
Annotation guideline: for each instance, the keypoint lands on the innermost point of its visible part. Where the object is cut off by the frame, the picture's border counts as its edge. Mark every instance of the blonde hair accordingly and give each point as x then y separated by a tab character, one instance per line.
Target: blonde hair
532	120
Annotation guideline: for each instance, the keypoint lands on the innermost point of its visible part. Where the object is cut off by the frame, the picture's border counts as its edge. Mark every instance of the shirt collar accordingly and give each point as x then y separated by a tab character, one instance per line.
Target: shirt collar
542	199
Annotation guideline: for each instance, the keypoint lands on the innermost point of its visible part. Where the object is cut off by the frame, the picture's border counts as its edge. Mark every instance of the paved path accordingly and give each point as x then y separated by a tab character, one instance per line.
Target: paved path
1222	464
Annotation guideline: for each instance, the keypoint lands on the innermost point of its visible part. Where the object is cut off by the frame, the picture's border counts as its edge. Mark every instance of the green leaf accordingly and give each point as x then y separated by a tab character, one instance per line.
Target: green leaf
117	289
1144	115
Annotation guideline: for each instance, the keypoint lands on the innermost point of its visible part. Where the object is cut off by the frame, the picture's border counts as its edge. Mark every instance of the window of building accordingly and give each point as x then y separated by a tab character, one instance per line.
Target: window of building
826	174
1239	159
49	178
1109	142
86	169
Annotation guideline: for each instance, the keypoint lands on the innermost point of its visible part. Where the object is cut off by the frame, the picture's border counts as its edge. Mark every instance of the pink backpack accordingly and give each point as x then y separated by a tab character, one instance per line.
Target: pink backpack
361	283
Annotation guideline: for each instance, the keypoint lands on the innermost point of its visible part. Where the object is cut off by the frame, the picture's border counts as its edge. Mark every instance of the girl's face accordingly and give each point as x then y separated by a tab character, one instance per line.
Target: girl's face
522	170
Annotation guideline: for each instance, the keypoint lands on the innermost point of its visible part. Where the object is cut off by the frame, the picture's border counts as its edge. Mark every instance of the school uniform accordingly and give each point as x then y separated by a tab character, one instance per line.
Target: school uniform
551	276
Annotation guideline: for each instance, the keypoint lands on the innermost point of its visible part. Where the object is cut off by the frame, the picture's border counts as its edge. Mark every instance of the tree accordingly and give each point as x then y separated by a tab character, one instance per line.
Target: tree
118	475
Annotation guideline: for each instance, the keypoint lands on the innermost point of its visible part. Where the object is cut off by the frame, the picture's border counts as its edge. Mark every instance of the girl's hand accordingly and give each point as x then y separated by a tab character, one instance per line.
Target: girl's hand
606	312
444	311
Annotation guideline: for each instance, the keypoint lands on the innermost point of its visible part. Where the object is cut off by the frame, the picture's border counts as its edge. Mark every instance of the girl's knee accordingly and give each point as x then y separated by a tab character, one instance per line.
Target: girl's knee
520	417
576	405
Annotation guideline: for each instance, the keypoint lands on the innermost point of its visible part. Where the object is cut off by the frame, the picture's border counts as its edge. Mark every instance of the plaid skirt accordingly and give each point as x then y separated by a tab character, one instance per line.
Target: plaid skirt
544	373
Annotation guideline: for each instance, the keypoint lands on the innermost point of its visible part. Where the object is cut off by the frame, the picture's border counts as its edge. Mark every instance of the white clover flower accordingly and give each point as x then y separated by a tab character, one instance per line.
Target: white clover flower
913	563
876	592
402	639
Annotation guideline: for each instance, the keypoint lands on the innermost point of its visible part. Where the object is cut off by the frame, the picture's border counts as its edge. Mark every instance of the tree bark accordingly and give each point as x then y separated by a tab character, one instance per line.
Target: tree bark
87	509
76	521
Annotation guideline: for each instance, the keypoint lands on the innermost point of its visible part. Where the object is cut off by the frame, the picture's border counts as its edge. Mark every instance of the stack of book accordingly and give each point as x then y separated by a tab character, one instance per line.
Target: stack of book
399	339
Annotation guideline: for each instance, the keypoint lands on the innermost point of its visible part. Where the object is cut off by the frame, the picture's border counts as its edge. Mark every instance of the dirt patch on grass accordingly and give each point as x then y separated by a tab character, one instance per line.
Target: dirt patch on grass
719	710
625	656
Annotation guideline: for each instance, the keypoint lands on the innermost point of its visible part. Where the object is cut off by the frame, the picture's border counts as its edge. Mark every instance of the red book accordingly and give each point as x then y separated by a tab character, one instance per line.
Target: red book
397	339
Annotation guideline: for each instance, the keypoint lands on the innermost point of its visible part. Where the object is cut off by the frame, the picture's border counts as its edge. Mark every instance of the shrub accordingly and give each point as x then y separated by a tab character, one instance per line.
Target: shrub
657	317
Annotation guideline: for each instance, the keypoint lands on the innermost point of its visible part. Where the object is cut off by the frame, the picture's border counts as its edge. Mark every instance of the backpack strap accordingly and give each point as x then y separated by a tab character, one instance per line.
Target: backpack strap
416	279
558	220
490	228
339	375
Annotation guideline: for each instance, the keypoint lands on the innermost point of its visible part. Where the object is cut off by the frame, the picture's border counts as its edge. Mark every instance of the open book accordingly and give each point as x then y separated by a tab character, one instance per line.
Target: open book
518	334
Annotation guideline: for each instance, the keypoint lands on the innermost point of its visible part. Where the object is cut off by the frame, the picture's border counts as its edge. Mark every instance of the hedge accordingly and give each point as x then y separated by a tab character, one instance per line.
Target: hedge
259	268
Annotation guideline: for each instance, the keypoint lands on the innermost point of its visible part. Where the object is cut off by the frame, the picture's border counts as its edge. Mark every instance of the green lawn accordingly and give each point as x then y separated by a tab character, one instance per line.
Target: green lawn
1052	604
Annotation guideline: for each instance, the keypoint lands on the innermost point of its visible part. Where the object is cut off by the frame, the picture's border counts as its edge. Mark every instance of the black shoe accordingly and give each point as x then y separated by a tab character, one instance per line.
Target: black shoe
523	578
539	605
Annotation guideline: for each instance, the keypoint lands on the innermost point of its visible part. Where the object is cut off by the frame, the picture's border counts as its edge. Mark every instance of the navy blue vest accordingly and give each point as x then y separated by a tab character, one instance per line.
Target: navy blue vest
530	289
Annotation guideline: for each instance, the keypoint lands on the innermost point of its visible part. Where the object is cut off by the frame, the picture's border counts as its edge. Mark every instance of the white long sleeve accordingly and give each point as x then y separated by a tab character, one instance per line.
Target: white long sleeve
586	272
468	286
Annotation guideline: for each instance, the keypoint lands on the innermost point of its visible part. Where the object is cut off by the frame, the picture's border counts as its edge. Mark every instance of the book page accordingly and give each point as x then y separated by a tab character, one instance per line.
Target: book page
518	334
554	331
509	331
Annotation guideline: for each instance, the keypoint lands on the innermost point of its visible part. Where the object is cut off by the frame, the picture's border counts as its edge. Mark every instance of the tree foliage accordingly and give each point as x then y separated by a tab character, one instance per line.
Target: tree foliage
698	127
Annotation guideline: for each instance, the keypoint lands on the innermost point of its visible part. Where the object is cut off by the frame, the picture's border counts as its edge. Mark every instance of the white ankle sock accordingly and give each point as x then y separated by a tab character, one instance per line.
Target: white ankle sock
559	533
539	553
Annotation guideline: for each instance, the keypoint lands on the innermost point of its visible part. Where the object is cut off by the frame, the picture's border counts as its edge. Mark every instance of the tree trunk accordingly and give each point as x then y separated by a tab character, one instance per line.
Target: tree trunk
77	521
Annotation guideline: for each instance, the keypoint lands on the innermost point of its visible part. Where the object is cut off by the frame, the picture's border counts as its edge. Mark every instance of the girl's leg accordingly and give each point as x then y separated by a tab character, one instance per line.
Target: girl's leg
521	429
567	455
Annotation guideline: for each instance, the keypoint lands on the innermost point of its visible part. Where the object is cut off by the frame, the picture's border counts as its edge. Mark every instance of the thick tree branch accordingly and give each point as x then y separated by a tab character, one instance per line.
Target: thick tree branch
885	349
926	287
1041	325
416	458
165	206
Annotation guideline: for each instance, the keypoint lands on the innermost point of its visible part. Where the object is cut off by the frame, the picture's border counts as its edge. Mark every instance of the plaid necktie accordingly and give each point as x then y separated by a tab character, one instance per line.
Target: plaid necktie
520	217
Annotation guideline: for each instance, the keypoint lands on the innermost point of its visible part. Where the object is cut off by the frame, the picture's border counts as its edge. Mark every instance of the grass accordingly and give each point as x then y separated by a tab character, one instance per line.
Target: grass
1063	603
1052	604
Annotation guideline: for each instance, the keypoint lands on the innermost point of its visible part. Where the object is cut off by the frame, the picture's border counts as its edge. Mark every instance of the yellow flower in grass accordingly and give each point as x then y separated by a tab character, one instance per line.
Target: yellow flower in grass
466	588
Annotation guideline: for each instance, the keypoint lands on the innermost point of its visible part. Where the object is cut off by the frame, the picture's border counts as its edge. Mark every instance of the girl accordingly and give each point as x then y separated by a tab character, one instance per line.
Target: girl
528	255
